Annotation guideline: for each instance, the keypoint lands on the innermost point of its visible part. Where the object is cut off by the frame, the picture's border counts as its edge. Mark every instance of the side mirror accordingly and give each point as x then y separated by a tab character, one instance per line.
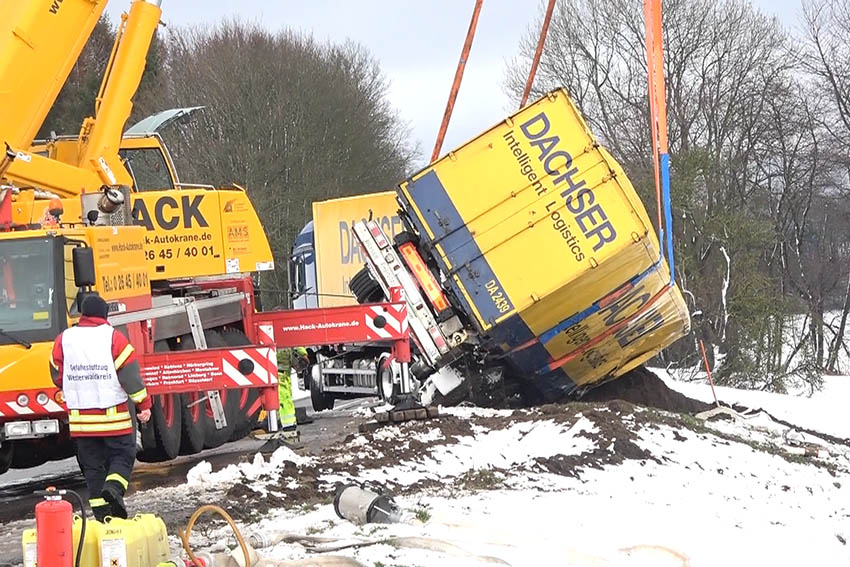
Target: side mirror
83	259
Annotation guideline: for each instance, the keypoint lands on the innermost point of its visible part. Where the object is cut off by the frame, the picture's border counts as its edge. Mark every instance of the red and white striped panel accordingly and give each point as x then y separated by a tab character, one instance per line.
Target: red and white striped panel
192	371
266	333
265	366
9	406
396	316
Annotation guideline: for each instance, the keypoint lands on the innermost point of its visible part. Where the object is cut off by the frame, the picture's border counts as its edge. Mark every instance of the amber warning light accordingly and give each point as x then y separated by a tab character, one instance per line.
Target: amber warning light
424	276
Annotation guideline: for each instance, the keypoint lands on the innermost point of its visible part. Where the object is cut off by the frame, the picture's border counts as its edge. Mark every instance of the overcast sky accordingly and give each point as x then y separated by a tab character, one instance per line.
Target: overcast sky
417	43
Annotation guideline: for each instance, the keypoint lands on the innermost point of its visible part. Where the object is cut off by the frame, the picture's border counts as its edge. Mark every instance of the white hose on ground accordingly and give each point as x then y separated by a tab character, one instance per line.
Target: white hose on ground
441	546
229	560
320	544
320	561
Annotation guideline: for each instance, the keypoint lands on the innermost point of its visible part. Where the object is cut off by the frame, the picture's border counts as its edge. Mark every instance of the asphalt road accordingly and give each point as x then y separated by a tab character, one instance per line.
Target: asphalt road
17	500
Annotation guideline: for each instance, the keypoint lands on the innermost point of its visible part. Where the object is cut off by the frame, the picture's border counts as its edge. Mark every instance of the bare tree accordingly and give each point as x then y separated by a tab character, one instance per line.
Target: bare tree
290	119
77	97
741	176
827	60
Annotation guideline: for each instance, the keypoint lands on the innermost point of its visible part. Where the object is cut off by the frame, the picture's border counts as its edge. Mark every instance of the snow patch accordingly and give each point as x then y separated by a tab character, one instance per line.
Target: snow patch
517	446
202	475
467	412
817	412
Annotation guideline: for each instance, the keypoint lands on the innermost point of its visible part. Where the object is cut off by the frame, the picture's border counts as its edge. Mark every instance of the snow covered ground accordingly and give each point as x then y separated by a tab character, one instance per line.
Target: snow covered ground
578	484
824	411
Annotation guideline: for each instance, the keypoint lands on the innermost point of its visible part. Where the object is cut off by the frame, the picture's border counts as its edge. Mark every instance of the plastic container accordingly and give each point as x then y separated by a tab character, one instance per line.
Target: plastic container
153	529
91	546
29	542
123	543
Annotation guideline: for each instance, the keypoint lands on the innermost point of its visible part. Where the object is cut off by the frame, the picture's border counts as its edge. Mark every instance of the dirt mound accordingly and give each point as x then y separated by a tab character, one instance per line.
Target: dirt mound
613	437
642	387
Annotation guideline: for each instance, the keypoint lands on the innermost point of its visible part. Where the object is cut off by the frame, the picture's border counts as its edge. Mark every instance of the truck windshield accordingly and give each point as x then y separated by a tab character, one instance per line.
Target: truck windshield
28	298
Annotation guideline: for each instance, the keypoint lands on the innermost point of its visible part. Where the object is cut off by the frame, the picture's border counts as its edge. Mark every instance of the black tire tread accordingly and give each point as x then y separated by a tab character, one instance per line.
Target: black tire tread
159	444
364	288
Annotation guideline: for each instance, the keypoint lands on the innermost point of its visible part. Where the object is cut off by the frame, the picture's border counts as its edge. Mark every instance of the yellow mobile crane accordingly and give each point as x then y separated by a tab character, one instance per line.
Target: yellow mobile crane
173	261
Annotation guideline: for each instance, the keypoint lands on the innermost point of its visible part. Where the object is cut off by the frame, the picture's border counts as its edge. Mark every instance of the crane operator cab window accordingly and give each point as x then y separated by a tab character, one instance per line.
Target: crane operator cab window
28	293
148	168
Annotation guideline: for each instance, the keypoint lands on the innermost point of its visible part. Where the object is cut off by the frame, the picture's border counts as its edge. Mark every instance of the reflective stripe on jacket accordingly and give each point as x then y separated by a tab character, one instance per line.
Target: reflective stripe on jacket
96	368
97	422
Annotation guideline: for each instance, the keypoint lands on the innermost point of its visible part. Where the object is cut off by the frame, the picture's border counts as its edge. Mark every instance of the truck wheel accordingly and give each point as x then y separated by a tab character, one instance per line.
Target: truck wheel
161	435
28	455
212	437
7	451
217	437
387	388
248	412
320	400
164	429
193	428
364	288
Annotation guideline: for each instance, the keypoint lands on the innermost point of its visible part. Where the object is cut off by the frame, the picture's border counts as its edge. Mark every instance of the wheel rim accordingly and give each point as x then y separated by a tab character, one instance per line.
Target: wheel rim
195	410
167	404
387	383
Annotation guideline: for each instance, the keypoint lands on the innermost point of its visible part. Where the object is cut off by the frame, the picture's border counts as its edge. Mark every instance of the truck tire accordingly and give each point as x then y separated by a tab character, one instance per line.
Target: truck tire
218	437
364	288
248	412
161	435
193	428
212	437
320	400
28	454
7	451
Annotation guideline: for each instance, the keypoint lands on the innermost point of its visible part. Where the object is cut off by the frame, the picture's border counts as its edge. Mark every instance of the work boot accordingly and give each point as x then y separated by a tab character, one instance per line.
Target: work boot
100	508
113	493
284	438
302	417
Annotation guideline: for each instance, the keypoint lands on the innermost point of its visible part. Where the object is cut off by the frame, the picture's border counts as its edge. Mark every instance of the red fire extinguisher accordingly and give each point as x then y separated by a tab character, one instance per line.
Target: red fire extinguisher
54	530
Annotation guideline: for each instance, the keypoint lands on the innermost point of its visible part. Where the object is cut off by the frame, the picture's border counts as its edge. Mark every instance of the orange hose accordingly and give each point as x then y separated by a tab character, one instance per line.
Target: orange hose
184	535
536	61
461	65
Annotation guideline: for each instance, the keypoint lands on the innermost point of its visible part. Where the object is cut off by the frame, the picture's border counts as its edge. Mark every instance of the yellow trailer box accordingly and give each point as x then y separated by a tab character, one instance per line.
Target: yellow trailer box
338	256
547	248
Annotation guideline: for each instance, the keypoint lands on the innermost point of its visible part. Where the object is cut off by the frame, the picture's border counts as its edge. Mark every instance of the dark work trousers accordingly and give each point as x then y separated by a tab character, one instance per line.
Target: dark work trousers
102	457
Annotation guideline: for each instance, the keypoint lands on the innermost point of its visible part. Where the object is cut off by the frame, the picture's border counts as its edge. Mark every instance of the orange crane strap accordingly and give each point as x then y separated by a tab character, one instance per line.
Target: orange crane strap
536	61
461	65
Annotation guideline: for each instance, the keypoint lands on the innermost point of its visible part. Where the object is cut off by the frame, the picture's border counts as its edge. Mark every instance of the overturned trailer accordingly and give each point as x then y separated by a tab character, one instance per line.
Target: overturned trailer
528	262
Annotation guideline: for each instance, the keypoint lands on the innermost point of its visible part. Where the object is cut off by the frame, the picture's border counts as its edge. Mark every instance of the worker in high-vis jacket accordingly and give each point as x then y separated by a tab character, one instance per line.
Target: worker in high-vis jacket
287	359
96	368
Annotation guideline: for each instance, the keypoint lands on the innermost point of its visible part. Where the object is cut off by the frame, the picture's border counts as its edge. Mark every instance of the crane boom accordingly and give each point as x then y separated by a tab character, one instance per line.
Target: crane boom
100	136
37	72
40	41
